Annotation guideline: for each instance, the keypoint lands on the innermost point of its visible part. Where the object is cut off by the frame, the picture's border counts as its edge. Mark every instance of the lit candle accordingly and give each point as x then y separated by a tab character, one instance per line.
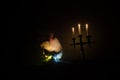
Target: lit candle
87	28
73	31
79	29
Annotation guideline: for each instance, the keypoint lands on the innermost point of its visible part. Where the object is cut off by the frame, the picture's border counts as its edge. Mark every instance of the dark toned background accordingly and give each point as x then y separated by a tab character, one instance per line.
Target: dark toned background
30	24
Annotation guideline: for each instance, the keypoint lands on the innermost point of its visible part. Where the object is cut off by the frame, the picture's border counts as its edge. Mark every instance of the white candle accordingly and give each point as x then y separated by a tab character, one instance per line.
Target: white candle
79	29
87	28
73	31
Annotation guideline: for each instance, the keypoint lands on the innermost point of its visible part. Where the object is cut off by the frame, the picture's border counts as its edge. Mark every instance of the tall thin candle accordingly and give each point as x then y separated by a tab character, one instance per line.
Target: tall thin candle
73	31
87	29
79	29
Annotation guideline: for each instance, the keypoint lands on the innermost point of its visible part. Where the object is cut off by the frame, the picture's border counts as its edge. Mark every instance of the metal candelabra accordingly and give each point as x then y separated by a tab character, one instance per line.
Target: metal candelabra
81	43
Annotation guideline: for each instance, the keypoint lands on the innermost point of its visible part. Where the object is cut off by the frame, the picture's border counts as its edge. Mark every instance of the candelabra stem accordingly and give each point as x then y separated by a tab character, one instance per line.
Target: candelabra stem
89	41
73	41
82	49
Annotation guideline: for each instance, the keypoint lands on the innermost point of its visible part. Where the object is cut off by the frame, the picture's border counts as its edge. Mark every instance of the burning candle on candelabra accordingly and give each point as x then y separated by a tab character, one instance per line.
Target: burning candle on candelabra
79	29
87	29
73	31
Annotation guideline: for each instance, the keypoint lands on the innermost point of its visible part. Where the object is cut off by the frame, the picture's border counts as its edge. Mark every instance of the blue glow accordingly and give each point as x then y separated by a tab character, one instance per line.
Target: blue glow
58	56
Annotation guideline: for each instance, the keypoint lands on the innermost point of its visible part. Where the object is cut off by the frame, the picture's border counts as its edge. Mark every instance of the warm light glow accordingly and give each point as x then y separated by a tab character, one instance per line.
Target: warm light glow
52	49
87	28
73	31
53	46
79	29
48	57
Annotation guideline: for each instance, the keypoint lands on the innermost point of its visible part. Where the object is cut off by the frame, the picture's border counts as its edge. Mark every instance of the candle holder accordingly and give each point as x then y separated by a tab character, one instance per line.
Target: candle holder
81	44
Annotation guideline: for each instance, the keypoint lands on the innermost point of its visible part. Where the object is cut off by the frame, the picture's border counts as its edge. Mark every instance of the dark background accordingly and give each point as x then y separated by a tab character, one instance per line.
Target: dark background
30	23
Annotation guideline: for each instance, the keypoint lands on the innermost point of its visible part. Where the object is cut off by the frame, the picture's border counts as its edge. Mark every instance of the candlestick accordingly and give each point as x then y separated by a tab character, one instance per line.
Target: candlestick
81	43
87	28
79	29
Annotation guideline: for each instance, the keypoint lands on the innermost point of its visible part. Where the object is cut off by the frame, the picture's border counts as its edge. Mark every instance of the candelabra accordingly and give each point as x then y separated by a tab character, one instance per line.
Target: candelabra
81	43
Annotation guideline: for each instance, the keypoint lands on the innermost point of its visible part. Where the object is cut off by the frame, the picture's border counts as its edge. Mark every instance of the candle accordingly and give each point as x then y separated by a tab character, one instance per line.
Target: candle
73	31
87	28
79	29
